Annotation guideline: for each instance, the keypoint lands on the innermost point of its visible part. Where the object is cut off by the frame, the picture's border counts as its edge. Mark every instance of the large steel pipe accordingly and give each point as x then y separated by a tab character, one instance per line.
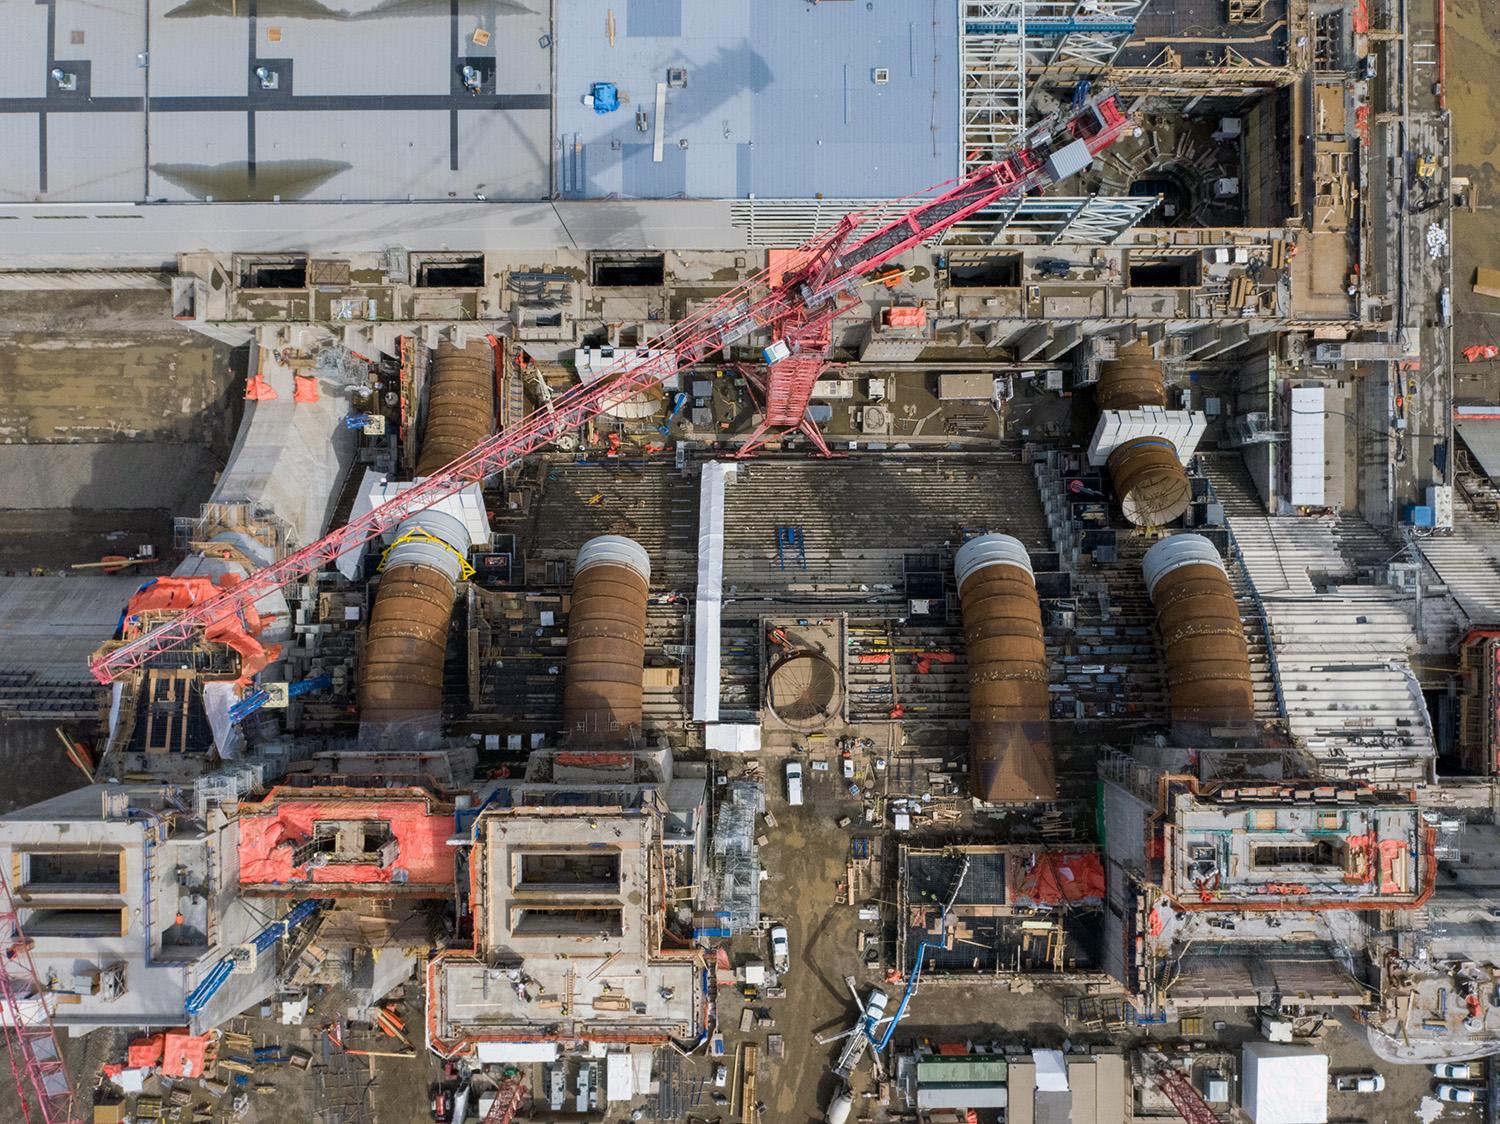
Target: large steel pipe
1010	746
1208	662
1150	481
606	642
1131	380
401	671
460	404
1147	473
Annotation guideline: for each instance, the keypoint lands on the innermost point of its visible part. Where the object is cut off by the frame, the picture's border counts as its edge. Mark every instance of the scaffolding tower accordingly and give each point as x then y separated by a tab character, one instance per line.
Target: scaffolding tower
735	876
1008	46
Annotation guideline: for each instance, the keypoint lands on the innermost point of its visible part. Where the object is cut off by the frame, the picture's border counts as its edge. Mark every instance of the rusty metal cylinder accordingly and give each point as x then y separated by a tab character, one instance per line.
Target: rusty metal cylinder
1148	475
401	672
401	669
1131	380
1203	640
460	404
1010	746
606	642
1150	480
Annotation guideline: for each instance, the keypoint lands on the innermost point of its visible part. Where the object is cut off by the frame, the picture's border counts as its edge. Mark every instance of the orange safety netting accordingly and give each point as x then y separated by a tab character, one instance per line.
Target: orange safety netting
1062	876
258	390
269	839
147	1051
305	388
184	1054
1391	850
236	629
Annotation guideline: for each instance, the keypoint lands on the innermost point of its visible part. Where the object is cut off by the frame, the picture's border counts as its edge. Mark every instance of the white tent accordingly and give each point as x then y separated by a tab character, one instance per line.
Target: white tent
1051	1071
1284	1084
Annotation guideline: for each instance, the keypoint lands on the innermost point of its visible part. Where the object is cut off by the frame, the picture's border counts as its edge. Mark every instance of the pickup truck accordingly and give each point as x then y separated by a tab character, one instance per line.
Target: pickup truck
781	949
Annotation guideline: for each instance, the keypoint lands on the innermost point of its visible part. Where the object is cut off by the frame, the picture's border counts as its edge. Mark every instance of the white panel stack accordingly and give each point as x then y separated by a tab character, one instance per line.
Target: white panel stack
708	601
1183	428
1308	473
466	506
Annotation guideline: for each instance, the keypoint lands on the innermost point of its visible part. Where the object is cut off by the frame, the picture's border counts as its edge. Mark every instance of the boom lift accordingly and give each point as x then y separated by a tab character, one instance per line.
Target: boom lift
797	308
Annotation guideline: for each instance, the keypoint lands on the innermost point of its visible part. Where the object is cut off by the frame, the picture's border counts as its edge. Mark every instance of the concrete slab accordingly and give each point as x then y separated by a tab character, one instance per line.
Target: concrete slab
51	625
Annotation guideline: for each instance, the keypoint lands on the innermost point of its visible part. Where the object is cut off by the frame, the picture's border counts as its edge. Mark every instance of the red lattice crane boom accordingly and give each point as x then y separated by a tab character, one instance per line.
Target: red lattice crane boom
797	308
43	1088
1188	1102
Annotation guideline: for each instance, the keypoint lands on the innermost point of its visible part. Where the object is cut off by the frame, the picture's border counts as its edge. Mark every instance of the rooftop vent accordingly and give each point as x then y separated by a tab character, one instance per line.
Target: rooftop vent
881	75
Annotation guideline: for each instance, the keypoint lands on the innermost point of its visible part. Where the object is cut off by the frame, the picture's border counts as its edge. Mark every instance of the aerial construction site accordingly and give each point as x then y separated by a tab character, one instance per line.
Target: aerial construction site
758	562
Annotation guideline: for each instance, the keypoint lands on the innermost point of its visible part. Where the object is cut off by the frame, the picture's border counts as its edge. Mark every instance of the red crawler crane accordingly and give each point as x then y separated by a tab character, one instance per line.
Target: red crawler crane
797	308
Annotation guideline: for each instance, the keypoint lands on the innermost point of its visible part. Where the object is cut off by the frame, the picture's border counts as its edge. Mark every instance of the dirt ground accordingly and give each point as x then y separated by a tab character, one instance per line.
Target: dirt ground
110	366
1473	45
99	371
54	540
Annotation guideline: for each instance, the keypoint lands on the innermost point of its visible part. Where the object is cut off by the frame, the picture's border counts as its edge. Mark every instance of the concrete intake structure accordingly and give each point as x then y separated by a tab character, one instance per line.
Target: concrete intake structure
401	670
606	643
1203	641
1010	744
1144	464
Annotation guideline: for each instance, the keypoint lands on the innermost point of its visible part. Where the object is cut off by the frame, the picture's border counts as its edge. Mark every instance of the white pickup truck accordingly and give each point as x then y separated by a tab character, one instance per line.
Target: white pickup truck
781	949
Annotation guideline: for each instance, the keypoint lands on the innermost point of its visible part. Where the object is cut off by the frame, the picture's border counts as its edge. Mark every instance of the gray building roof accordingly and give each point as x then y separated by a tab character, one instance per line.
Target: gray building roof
368	104
780	99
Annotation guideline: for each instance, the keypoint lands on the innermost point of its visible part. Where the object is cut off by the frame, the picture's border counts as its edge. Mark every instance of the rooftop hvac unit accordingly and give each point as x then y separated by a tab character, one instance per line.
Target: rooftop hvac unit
881	76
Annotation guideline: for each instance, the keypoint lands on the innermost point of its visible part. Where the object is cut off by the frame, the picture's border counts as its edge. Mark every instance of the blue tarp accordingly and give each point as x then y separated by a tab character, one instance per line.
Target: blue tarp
606	97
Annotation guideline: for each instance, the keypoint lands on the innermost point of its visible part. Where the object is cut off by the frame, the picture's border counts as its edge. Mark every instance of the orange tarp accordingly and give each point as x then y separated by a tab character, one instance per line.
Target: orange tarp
593	758
305	388
237	630
258	390
1390	851
1061	876
269	837
904	316
185	1055
145	1051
